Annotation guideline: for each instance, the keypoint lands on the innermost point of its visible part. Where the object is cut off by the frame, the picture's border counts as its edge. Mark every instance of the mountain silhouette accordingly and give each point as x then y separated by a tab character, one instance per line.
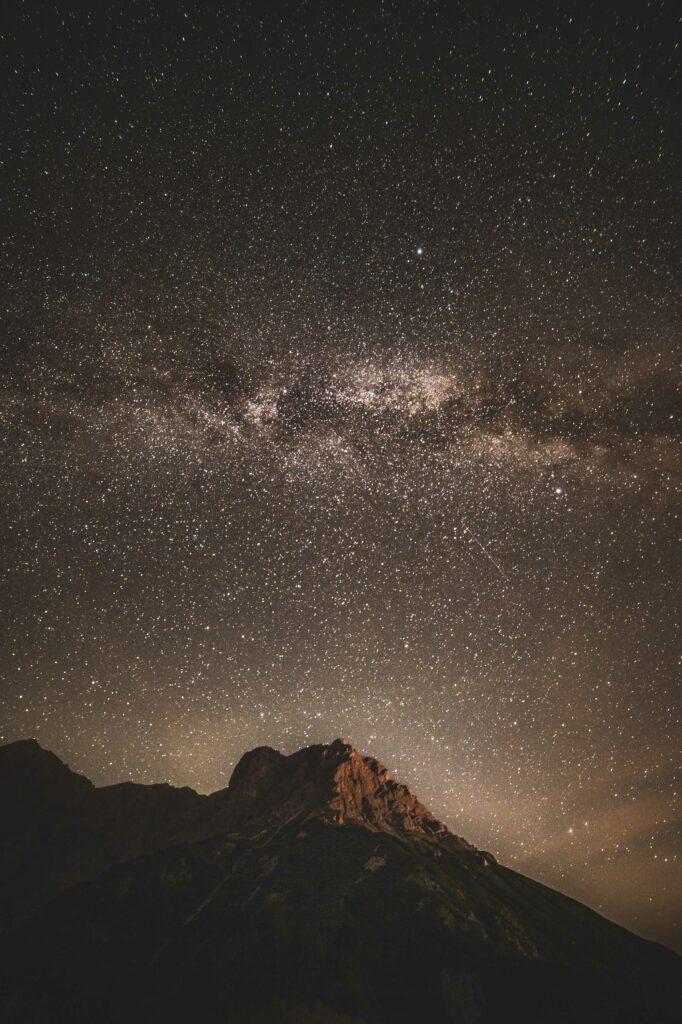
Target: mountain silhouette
313	890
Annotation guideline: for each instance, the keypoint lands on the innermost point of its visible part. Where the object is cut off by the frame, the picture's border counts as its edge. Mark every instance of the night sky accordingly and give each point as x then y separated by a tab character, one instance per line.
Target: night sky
338	398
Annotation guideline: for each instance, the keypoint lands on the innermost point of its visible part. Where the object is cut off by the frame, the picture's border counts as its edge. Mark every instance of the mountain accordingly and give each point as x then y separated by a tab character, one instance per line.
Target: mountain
313	890
36	787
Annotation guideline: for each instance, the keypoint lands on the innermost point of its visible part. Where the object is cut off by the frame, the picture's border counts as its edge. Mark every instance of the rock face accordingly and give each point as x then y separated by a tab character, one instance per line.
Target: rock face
334	784
313	889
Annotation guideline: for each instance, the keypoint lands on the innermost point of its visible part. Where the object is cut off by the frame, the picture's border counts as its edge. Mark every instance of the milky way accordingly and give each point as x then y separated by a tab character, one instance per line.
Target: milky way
338	398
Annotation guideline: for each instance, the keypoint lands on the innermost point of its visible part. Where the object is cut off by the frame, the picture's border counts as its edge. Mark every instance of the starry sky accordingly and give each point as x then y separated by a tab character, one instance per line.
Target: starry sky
338	398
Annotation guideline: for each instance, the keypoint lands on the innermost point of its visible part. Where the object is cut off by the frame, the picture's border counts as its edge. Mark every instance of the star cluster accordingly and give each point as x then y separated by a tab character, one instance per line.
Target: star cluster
338	397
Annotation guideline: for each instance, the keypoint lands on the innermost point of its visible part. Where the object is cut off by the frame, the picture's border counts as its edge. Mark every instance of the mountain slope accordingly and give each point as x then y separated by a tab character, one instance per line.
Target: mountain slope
36	788
314	888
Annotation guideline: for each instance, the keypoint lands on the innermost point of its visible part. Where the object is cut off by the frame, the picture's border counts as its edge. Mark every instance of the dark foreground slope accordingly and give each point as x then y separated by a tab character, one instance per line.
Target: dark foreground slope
313	889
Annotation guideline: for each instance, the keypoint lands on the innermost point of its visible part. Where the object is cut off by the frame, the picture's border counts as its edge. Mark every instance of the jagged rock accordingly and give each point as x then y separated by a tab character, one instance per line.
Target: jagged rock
333	783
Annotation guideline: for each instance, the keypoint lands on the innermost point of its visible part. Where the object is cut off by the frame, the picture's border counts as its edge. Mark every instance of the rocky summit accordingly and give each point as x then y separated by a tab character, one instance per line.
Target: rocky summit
314	889
334	784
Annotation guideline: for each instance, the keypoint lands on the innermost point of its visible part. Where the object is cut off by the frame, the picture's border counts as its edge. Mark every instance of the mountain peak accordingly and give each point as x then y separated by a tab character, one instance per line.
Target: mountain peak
35	786
333	783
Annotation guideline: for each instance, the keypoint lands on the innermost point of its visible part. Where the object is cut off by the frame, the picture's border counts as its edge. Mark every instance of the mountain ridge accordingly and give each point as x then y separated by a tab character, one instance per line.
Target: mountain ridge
312	888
